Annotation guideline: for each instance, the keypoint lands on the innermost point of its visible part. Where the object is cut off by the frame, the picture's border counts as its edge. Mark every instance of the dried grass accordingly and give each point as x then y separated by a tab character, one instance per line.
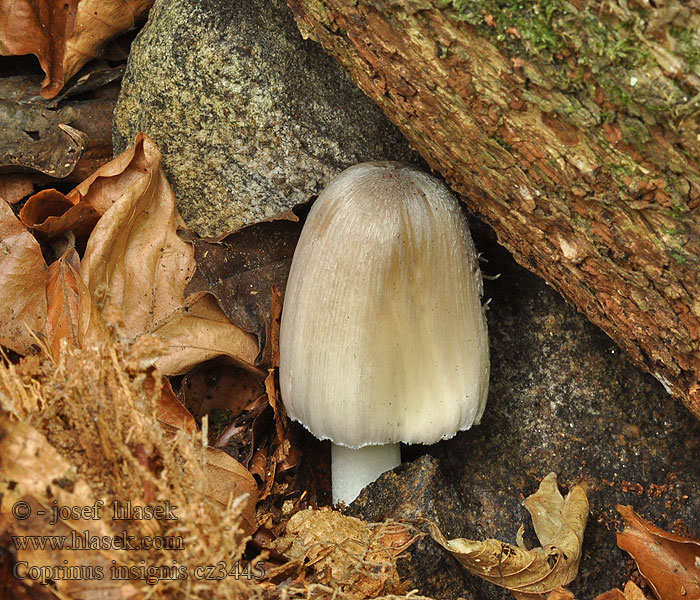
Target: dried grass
84	428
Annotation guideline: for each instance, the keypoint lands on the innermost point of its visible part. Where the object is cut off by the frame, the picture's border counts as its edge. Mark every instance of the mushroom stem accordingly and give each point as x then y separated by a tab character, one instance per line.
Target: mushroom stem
353	468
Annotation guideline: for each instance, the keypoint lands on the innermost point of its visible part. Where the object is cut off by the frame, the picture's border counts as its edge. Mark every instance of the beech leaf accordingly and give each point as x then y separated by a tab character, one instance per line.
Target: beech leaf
38	27
138	267
228	479
63	298
559	523
669	562
23	279
97	22
632	592
242	270
64	35
52	212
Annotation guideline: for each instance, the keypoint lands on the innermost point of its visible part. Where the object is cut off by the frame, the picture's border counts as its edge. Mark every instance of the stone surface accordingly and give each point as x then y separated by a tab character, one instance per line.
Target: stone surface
415	491
562	398
251	119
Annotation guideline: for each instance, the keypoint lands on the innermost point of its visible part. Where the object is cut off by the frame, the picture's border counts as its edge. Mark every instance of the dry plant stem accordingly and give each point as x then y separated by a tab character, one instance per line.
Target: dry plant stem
588	177
354	468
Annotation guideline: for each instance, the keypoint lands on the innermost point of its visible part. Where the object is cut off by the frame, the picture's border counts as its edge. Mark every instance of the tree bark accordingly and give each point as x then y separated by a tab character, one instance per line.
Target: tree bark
571	128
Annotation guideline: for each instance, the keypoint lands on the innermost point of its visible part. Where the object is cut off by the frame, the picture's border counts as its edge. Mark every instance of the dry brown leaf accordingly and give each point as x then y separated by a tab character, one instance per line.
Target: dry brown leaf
228	479
72	315
15	186
97	22
138	267
63	299
52	212
22	284
345	552
38	27
632	592
242	270
64	35
560	594
559	523
169	409
199	331
669	562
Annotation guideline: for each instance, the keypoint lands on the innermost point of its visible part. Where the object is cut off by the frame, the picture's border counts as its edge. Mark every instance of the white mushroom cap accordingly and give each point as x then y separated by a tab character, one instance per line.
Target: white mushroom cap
383	336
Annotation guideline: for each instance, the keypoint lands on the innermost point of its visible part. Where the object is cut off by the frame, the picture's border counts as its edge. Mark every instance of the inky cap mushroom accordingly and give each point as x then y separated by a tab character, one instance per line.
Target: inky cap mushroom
383	336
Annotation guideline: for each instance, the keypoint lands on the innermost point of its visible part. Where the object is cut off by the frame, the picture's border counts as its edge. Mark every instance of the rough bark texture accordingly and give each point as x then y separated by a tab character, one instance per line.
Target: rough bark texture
571	128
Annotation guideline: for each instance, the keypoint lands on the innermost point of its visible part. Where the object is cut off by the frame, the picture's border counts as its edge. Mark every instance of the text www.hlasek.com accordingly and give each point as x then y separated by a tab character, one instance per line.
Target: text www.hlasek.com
87	541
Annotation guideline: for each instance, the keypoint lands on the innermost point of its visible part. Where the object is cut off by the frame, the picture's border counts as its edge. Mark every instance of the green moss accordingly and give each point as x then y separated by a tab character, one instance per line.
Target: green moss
218	421
634	132
532	19
620	173
502	143
549	28
565	42
670	232
679	256
688	45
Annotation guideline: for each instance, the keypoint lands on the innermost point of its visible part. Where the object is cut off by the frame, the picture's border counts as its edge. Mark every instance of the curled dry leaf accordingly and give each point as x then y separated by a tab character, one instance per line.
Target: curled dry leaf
64	35
669	562
50	213
559	523
632	592
38	27
128	174
139	268
245	270
97	22
344	552
228	479
23	279
64	139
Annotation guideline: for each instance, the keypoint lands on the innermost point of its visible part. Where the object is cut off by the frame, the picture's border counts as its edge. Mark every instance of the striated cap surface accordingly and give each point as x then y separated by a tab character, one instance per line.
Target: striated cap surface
383	336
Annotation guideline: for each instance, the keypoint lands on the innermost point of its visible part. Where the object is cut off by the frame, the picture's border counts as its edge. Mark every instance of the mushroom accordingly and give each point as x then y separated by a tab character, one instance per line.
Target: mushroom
383	336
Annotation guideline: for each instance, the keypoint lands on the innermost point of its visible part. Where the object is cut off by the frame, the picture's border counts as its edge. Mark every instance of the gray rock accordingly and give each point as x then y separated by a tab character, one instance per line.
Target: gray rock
413	492
251	119
562	398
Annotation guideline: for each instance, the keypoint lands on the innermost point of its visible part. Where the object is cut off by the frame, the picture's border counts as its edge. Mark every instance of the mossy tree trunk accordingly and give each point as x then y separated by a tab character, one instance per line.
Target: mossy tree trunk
571	128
